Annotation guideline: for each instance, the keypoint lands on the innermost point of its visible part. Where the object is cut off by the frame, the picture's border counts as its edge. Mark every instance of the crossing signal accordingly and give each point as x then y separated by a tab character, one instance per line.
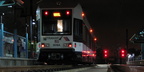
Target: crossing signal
123	53
105	53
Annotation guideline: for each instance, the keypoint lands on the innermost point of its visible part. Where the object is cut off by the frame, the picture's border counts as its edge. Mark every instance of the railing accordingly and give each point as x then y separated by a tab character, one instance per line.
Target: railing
138	62
8	41
12	45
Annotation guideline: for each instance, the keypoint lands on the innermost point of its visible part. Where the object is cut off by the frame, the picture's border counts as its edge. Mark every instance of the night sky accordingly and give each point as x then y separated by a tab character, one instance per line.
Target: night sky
111	18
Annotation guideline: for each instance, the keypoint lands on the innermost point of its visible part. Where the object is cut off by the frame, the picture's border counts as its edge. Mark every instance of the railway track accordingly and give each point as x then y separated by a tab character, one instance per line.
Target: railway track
42	68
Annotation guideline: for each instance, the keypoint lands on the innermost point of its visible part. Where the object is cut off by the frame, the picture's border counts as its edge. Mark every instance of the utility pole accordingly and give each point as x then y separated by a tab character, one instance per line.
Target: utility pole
31	29
127	40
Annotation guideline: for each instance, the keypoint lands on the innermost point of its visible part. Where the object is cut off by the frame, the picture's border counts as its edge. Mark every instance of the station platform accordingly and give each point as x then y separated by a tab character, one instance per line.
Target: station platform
8	62
137	62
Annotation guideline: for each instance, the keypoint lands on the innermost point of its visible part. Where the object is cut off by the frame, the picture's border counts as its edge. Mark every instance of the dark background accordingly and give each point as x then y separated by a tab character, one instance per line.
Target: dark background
111	18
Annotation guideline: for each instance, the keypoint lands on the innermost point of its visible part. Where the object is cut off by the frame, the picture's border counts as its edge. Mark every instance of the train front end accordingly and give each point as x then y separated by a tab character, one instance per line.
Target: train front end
55	36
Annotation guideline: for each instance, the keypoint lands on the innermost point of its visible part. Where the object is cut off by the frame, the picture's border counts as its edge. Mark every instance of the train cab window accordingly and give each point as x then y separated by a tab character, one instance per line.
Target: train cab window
60	26
52	25
57	27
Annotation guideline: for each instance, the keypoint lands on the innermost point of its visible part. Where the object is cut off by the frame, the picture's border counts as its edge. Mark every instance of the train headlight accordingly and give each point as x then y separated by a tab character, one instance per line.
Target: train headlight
44	45
68	45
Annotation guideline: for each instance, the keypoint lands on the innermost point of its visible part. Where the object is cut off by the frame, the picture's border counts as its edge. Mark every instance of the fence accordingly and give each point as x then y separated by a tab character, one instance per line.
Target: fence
12	45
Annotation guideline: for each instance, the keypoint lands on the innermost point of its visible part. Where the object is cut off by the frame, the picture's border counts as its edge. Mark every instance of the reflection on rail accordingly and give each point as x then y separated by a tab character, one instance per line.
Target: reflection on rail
45	68
35	68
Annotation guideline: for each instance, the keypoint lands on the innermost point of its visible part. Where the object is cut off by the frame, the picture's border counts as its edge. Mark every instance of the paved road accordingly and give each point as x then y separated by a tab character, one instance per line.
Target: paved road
98	68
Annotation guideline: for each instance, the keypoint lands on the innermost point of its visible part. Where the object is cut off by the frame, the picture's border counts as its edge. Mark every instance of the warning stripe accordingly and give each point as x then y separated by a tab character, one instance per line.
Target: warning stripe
66	39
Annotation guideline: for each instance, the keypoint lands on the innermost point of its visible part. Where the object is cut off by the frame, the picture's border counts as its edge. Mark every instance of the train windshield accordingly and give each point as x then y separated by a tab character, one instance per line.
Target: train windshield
56	22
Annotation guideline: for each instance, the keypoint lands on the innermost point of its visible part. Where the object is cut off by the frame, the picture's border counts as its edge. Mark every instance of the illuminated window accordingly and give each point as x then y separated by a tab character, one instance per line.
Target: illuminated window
56	22
59	26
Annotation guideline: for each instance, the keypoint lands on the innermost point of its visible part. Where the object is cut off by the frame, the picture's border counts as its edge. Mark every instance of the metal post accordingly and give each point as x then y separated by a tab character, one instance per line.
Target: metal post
142	50
127	40
1	38
31	29
26	45
26	41
15	43
31	38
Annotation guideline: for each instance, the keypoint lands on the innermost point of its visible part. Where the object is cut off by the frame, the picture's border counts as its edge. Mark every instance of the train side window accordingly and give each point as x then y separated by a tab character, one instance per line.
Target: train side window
77	30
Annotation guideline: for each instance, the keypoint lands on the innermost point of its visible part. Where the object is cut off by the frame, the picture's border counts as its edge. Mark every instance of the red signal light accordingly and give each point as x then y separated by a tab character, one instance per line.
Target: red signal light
67	12
123	53
46	13
105	53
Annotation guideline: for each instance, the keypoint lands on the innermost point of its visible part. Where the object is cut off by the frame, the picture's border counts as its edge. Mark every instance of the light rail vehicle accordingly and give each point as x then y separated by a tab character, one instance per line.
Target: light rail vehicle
64	35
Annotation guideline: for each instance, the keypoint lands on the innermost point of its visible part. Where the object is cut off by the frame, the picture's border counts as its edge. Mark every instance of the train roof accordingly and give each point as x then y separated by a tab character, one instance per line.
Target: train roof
64	4
57	4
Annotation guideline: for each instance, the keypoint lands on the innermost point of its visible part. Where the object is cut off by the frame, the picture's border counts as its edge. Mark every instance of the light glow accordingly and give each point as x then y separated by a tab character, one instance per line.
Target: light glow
83	14
95	39
67	12
46	13
70	45
42	45
105	53
56	14
122	53
93	55
91	30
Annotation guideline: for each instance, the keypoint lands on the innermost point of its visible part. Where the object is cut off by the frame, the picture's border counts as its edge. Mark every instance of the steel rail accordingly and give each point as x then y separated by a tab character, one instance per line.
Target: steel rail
35	68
